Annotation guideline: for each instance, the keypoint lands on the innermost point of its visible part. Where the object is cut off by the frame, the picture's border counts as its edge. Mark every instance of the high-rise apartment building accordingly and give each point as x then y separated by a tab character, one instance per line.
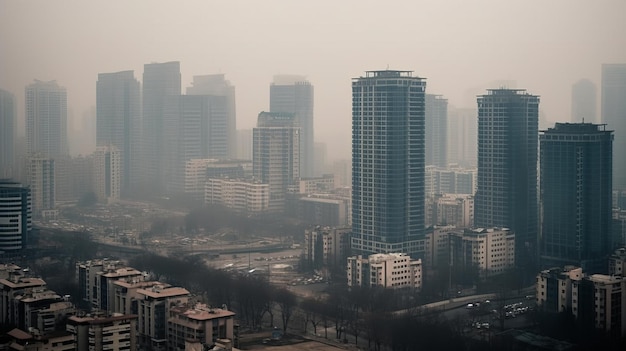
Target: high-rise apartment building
576	195
294	94
8	123
436	130
507	166
40	177
15	215
462	136
46	119
221	128
613	115
118	121
107	173
584	103
387	162
276	154
186	123
160	80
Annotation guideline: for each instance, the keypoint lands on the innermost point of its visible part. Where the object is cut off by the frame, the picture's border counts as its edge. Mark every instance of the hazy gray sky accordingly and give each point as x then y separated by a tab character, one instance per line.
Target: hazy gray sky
460	46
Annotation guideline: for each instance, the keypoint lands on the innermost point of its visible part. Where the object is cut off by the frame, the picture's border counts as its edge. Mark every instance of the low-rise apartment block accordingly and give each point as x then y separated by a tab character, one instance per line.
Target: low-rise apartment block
392	270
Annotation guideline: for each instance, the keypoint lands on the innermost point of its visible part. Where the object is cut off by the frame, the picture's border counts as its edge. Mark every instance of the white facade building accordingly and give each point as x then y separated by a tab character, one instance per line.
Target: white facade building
326	245
492	250
392	270
107	173
240	195
40	176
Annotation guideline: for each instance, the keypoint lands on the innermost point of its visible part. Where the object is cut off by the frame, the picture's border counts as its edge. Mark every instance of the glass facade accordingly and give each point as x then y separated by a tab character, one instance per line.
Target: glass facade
388	123
508	142
576	166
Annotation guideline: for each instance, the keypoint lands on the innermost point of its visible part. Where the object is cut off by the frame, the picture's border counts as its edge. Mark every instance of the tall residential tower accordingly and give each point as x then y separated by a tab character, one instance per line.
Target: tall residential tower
221	127
506	197
294	94
160	80
46	119
118	121
387	162
576	194
276	155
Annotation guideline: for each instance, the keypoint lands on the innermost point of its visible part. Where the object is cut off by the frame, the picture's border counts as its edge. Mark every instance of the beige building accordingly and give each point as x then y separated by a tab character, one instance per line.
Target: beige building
601	299
11	288
450	209
326	246
392	270
117	332
25	341
199	323
554	288
240	195
316	184
492	250
153	309
96	281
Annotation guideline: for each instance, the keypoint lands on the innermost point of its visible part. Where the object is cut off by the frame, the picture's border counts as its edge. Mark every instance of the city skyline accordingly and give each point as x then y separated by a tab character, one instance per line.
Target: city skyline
321	45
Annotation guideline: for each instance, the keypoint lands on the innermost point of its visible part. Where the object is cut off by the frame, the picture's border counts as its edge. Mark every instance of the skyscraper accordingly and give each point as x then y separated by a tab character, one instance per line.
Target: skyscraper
576	195
118	121
222	129
462	136
294	94
7	134
436	130
388	124
508	135
276	155
614	116
187	135
46	119
15	215
160	80
584	101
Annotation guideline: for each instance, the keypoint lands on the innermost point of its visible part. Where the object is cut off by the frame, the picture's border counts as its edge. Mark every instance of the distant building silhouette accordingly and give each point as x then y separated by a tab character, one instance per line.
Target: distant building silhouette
614	116
576	195
436	130
186	123
276	155
118	122
46	119
221	127
160	80
507	167
387	163
294	94
462	136
8	124
244	144
584	103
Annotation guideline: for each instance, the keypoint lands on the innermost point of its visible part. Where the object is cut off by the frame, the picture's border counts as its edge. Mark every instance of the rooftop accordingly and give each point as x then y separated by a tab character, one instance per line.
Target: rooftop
163	292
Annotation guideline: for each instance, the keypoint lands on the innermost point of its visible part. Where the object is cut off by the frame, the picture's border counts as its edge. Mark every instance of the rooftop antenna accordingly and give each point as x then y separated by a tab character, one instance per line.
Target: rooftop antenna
387	66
